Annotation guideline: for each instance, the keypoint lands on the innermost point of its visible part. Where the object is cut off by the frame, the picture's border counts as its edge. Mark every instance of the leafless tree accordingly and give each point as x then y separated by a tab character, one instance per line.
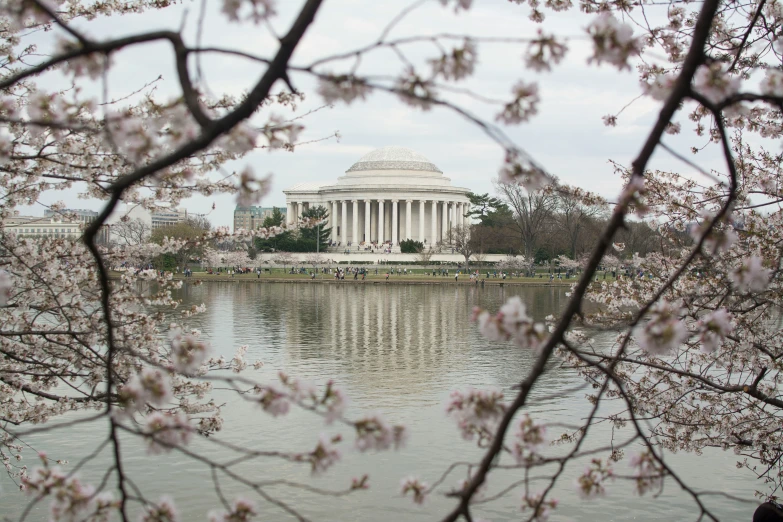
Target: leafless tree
132	231
425	255
533	212
462	241
576	210
283	258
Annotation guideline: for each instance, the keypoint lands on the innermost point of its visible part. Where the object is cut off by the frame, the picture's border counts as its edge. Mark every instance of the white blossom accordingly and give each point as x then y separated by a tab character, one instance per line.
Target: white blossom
714	83
664	332
242	510
187	351
416	487
613	41
523	106
374	433
165	431
346	88
163	511
714	329
259	9
6	287
751	276
772	84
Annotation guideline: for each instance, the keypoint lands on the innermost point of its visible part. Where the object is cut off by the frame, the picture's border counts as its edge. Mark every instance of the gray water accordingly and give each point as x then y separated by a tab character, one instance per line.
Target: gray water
399	350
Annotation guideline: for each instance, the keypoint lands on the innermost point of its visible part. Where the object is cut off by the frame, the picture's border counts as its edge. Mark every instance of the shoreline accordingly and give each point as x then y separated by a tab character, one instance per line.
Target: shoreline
375	280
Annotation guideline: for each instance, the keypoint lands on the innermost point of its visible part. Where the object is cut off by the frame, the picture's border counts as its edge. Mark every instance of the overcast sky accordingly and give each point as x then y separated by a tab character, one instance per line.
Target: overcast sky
567	136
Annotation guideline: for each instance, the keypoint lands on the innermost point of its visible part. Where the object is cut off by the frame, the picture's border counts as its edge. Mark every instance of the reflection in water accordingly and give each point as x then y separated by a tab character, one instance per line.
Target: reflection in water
400	349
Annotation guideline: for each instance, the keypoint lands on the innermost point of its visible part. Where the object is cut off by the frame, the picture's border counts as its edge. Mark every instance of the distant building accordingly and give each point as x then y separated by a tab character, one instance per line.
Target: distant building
167	217
40	227
390	194
251	218
83	216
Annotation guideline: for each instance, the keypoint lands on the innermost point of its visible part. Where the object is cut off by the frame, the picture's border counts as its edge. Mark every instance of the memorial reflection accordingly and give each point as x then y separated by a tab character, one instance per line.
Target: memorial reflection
382	337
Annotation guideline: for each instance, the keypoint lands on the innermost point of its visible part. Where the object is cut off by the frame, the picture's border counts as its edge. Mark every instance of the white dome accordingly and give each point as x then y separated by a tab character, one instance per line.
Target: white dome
394	158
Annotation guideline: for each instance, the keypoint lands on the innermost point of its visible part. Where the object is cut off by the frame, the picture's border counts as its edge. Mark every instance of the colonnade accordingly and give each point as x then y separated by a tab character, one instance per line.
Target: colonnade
388	220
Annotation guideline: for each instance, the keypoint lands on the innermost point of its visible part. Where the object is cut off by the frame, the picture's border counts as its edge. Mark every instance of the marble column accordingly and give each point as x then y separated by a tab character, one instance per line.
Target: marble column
367	220
434	223
458	216
344	225
289	212
394	221
445	225
465	218
380	221
335	220
355	229
421	220
408	231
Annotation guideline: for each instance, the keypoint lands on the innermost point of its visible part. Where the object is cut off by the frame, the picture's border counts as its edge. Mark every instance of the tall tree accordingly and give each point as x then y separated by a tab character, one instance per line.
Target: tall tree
533	211
313	228
576	209
463	241
275	219
489	210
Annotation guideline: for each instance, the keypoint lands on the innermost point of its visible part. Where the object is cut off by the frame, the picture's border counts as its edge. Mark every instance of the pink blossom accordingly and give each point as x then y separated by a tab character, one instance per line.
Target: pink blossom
6	286
6	147
151	386
751	276
457	65
274	401
512	322
592	482
529	439
374	433
664	332
416	487
343	88
259	9
165	431
476	411
164	511
540	507
714	83
458	4
613	41
242	510
714	329
523	106
325	454
187	352
659	86
336	402
647	472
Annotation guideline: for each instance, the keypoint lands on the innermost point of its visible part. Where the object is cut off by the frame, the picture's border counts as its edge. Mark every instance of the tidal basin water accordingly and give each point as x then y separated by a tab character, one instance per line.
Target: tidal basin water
399	350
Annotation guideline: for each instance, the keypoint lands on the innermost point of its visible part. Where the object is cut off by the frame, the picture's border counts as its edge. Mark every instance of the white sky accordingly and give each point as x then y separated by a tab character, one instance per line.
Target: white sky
567	136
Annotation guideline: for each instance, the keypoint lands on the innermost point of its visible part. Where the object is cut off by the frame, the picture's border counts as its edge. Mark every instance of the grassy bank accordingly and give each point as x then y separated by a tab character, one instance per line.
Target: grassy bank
279	275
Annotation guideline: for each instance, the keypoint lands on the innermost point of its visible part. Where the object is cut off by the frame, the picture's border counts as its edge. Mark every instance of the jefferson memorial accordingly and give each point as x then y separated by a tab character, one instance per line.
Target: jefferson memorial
389	195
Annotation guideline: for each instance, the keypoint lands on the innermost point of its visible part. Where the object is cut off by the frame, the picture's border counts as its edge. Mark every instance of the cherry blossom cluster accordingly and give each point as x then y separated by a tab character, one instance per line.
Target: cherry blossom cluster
417	488
665	331
476	412
324	456
648	474
511	323
242	510
373	432
592	482
71	499
539	507
529	439
613	41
